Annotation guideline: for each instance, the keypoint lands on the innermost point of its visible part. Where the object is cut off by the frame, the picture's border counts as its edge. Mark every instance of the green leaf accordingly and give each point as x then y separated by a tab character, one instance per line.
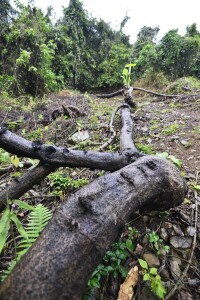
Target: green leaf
129	244
95	282
130	65
197	187
146	277
14	160
23	205
125	72
158	288
153	271
143	264
19	226
163	155
175	160
4	227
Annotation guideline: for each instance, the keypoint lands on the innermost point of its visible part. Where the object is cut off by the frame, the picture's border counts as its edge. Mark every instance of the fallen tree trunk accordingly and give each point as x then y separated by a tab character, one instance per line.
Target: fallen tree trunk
52	157
60	263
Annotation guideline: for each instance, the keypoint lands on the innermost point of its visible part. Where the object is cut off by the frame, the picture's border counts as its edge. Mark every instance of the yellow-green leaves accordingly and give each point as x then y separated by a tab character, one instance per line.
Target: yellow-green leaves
4	227
14	160
126	74
5	223
18	224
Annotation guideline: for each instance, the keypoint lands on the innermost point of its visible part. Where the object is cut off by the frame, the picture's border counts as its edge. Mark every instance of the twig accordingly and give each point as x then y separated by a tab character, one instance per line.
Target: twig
4	118
178	284
111	128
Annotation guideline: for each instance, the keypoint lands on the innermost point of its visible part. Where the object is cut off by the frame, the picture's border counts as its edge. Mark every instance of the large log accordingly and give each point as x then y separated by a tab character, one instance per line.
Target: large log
60	263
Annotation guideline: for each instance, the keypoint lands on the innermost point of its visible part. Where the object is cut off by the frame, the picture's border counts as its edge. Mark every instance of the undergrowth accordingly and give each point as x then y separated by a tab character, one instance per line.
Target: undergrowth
37	220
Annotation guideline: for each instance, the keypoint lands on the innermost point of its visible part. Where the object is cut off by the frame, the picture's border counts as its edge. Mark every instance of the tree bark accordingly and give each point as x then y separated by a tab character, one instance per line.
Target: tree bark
60	263
52	157
23	184
63	156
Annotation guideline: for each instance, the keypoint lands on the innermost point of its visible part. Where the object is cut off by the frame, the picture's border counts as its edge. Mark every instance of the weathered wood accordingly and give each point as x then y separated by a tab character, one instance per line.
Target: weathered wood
24	183
111	95
52	156
124	91
126	136
63	156
60	263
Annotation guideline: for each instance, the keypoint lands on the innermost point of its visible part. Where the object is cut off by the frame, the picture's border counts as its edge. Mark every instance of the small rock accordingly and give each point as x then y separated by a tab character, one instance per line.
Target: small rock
74	174
193	282
145	129
175	137
181	242
138	249
191	230
3	185
184	143
80	136
167	225
146	219
178	230
165	275
175	269
163	234
151	260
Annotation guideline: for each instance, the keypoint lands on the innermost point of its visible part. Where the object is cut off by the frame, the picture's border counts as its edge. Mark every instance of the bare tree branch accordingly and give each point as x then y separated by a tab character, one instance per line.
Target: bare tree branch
121	92
62	156
24	183
111	127
117	93
126	137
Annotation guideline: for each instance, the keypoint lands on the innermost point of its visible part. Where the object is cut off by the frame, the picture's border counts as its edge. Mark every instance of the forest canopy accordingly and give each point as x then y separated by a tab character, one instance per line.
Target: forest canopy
78	51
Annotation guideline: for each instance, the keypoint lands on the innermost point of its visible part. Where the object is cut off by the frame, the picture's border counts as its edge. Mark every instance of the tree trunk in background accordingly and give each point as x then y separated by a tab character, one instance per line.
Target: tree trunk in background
60	263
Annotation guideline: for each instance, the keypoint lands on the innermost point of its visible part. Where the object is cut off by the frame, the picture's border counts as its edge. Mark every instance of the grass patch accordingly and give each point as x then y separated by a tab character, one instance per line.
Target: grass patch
147	149
173	128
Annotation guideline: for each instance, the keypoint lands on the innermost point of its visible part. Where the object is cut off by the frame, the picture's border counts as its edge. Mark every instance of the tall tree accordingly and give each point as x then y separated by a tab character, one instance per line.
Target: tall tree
146	35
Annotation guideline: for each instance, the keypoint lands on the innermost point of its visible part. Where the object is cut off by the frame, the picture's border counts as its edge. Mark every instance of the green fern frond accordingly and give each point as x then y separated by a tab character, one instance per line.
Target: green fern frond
37	220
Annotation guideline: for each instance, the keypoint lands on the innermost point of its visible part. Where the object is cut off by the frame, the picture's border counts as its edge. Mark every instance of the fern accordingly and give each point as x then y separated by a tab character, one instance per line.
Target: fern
37	220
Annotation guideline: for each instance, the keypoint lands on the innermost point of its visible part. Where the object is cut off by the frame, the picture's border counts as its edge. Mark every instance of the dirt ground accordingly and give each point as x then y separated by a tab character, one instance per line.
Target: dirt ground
161	126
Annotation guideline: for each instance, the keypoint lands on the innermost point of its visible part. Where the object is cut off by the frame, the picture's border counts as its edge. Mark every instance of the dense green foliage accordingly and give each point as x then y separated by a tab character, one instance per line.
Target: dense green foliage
38	56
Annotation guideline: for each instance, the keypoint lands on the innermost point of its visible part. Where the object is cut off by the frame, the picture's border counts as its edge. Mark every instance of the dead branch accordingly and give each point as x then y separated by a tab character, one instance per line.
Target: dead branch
24	183
187	97
126	140
117	93
111	128
60	263
70	111
61	156
78	112
121	92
